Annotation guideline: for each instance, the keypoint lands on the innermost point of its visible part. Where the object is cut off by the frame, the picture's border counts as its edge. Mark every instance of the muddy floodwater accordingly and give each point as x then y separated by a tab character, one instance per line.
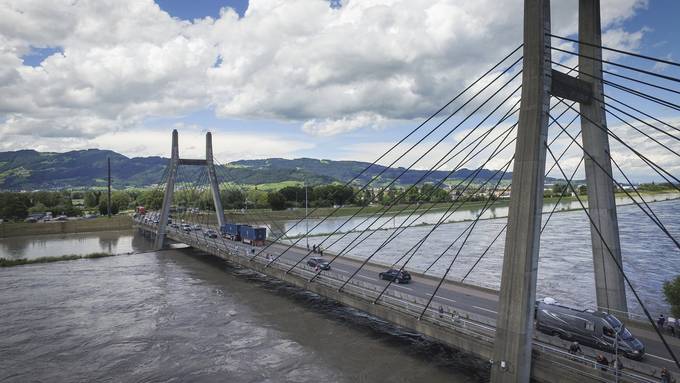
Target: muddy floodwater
112	242
180	315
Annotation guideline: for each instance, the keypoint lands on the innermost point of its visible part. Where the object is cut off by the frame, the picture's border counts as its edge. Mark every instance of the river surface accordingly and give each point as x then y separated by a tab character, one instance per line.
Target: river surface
565	265
112	242
183	316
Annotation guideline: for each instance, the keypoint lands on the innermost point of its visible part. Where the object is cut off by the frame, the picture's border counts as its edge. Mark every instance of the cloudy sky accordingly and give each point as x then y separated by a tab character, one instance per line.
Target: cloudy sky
270	78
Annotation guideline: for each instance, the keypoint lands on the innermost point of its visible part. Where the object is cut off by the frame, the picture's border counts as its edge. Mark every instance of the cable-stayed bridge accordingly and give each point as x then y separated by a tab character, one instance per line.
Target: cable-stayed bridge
543	104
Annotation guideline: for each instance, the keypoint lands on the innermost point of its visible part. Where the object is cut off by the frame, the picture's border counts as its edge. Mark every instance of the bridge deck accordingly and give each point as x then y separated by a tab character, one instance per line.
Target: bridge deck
468	321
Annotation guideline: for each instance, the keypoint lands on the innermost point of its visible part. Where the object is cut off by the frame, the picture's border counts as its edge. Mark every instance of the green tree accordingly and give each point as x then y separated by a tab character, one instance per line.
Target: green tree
121	199
103	209
277	201
583	190
671	289
14	205
92	198
37	208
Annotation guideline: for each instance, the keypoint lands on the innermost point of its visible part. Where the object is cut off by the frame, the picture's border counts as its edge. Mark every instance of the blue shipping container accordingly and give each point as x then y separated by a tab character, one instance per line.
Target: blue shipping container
230	228
242	229
254	233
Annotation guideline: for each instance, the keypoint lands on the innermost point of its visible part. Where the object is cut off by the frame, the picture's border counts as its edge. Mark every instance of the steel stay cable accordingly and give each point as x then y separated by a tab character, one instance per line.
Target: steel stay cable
626	89
441	281
640	81
639	131
448	209
635	189
619	266
259	215
650	58
469	227
424	212
470	176
416	129
563	153
437	166
403	226
611	177
616	64
422	240
643	113
651	163
545	224
478	142
412	164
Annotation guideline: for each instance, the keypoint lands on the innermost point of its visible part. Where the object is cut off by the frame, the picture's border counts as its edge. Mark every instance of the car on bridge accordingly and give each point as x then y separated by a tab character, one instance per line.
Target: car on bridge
197	227
320	262
210	233
596	329
395	275
174	226
186	227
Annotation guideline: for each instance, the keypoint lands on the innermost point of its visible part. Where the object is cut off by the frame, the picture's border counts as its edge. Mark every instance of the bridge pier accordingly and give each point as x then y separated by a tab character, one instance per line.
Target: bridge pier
514	330
169	191
609	283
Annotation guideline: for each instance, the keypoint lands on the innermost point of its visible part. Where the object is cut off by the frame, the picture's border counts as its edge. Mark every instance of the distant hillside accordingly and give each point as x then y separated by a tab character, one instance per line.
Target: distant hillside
30	170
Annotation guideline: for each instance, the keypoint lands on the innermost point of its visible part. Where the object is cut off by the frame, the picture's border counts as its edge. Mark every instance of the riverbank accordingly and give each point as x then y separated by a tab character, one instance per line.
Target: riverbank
116	222
4	262
497	204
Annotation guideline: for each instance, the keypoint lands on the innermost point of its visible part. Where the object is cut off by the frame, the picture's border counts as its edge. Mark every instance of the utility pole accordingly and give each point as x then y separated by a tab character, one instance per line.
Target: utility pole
306	218
108	201
515	325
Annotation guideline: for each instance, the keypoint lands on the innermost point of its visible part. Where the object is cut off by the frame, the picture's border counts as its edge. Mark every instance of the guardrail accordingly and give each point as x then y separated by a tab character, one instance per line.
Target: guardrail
471	324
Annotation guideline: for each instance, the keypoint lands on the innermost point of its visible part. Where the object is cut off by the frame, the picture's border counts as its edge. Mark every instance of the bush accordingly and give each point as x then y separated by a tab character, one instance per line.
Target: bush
671	290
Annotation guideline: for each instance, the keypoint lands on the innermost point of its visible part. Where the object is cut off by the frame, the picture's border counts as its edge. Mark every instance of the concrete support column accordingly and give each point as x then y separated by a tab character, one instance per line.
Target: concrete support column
169	191
214	185
609	283
514	329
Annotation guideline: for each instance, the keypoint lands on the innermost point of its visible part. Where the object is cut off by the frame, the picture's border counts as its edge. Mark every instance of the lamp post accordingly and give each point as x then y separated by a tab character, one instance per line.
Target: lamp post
306	217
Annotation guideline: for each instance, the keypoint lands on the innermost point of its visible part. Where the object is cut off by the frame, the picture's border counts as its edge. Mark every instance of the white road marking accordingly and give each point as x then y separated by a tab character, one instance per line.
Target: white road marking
403	287
658	357
446	299
482	308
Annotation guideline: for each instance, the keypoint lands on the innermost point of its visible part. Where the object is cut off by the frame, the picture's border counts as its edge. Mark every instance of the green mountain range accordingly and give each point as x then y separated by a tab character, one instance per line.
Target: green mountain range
32	170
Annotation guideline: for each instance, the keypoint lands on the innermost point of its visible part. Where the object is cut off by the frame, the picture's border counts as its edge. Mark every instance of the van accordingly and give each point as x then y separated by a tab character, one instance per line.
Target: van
590	328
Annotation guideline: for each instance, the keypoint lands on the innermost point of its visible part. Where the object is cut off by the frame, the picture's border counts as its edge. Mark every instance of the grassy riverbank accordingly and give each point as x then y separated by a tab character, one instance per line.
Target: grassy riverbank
4	262
117	222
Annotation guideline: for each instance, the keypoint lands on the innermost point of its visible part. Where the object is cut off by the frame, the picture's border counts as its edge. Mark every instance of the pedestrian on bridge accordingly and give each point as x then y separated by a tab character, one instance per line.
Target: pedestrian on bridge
314	249
666	376
575	349
661	321
602	361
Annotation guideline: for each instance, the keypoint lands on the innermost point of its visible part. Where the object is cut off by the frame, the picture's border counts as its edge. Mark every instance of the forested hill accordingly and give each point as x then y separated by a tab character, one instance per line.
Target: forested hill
30	170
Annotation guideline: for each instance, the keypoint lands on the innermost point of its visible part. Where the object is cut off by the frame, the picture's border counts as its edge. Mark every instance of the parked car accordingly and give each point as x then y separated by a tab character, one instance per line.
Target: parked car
591	328
210	233
395	275
317	261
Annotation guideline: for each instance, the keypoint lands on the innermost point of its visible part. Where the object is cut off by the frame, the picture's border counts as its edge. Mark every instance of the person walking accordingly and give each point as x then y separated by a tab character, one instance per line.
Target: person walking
575	349
602	361
661	321
666	376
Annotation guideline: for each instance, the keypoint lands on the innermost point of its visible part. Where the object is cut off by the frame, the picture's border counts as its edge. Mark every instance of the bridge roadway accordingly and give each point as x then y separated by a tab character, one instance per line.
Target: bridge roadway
472	307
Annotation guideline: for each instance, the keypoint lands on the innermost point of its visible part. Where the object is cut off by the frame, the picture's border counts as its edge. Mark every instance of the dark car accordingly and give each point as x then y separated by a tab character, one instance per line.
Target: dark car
316	261
210	233
395	275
